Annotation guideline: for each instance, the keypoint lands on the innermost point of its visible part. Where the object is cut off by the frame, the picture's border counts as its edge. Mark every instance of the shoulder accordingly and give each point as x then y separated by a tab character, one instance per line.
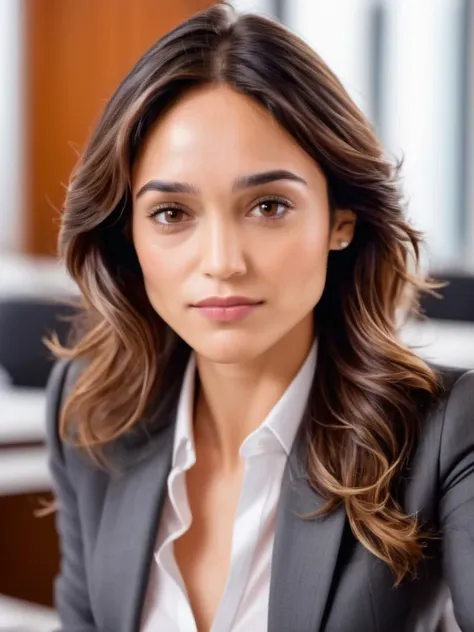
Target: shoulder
122	451
456	401
447	432
457	416
62	378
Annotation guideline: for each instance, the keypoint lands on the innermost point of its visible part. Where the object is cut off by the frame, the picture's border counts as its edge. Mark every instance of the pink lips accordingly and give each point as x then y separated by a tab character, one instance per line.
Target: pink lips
228	309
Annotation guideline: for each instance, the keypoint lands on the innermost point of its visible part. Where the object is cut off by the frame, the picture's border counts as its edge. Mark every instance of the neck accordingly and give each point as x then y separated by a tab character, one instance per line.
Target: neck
234	399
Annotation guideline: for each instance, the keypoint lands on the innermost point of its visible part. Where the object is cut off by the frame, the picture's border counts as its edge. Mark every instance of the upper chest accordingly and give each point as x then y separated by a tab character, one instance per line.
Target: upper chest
213	504
224	524
203	504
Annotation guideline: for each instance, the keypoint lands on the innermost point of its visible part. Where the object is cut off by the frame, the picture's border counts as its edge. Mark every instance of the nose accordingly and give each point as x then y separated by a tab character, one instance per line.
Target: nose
222	251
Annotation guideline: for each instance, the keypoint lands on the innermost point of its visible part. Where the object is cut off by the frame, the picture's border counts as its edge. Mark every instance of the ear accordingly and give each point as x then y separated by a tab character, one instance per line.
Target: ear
342	231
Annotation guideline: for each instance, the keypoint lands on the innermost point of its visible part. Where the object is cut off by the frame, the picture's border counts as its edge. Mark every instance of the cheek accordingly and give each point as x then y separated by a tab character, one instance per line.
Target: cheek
161	271
299	264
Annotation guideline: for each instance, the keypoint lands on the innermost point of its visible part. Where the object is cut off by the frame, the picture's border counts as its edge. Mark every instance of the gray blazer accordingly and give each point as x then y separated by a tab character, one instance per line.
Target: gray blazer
322	578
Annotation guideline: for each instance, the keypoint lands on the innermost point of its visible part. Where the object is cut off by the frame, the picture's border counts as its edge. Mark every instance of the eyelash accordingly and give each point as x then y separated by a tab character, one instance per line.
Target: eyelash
165	227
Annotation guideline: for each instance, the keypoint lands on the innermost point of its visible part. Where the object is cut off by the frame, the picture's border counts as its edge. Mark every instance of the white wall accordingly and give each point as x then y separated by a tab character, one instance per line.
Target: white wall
11	203
421	95
470	154
339	31
254	6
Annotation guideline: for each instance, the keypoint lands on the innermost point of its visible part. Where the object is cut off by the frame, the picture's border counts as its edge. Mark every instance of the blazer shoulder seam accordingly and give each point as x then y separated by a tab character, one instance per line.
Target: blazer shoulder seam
445	410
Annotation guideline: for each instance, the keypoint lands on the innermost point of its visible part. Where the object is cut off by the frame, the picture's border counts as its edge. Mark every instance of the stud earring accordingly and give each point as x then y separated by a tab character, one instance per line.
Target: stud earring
343	244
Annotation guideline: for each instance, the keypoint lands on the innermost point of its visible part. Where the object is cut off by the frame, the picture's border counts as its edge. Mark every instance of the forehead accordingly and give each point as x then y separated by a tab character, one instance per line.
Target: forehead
215	131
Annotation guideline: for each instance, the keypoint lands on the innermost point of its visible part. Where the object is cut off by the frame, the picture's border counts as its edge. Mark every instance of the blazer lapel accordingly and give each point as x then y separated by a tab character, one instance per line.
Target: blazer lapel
127	535
305	553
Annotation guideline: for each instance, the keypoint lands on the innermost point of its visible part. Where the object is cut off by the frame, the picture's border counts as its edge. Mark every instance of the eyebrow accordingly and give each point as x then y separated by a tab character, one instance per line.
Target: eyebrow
245	182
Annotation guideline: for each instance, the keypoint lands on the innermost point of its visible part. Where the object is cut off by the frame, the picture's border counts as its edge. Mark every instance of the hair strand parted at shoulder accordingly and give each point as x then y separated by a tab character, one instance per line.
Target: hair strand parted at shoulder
369	391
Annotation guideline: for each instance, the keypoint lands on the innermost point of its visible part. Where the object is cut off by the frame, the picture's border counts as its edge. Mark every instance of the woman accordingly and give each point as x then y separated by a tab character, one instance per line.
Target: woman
238	440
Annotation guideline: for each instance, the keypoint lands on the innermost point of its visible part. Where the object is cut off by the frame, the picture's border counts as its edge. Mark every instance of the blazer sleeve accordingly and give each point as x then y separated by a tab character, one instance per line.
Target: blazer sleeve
456	467
70	588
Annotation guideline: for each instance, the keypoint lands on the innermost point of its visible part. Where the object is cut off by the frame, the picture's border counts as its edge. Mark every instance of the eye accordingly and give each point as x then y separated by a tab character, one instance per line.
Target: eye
270	208
169	215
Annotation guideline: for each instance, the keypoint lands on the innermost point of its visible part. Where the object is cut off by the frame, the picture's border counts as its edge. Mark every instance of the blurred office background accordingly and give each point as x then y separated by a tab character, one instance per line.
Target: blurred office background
409	64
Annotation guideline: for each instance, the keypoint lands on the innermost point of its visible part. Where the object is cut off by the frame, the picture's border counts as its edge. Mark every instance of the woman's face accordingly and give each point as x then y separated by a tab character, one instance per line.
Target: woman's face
226	205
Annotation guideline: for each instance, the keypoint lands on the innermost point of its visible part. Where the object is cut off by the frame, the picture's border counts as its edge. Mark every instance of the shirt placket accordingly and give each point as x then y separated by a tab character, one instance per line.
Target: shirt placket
246	531
179	500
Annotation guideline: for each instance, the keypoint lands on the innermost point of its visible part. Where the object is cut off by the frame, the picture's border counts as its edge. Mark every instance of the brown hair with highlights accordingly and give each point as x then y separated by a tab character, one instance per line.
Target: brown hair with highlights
369	391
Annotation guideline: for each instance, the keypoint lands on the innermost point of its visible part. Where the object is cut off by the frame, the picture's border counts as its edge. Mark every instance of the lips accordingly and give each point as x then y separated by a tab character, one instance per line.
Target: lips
228	301
227	309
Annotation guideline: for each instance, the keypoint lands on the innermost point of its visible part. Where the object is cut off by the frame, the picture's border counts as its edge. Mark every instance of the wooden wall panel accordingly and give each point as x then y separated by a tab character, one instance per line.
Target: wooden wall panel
29	551
76	52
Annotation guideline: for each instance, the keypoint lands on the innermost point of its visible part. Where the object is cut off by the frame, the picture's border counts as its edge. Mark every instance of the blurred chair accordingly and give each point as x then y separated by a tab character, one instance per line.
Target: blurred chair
457	302
33	293
24	322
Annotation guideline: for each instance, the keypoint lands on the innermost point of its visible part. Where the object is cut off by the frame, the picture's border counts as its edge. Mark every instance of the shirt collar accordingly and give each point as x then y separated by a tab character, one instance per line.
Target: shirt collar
184	435
283	420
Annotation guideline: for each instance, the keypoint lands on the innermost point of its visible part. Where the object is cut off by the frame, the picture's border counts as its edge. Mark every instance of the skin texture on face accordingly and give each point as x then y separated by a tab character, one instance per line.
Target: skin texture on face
218	236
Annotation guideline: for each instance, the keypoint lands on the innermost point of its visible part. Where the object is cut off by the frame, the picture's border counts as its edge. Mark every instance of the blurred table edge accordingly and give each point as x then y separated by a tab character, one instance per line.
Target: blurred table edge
24	470
22	415
16	614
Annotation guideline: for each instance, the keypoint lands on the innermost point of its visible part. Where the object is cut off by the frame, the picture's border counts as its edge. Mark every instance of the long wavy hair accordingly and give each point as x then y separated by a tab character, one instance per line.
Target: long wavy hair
366	403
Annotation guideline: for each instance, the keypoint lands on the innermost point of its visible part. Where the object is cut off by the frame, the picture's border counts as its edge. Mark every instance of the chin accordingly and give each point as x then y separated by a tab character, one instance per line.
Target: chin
230	347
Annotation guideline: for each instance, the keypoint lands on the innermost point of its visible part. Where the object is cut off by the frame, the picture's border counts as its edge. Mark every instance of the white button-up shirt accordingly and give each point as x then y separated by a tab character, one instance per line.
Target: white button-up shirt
244	603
